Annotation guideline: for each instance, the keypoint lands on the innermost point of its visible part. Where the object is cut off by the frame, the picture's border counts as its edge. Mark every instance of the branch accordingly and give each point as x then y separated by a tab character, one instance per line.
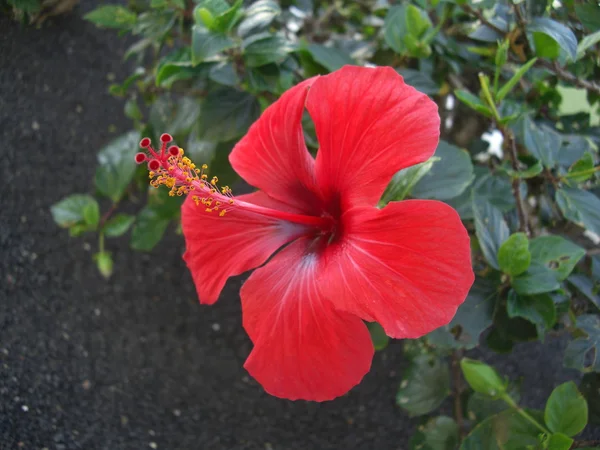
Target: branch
477	13
511	145
567	76
457	391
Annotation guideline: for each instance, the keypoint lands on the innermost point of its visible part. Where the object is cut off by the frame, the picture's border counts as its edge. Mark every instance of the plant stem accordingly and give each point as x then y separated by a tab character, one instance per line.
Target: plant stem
477	13
101	242
507	398
457	391
509	138
565	75
107	215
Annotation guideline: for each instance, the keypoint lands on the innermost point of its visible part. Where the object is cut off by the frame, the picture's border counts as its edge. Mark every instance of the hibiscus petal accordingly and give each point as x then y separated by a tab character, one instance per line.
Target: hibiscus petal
220	247
406	266
303	348
369	124
273	156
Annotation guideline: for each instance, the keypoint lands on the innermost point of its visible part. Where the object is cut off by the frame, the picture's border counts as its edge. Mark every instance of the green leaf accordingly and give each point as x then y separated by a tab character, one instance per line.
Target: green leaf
420	81
566	410
378	336
582	170
561	34
510	84
116	165
215	7
329	57
227	114
481	406
557	254
79	228
404	27
482	378
487	34
538	309
224	73
488	187
472	318
584	353
545	46
586	286
394	28
581	207
104	263
574	147
532	171
148	230
541	141
178	117
507	331
226	21
490	228
514	256
204	16
207	45
404	180
473	102
258	16
450	175
589	15
538	279
71	210
424	386
559	441
118	225
112	16
91	214
217	15
439	433
269	49
504	431
587	42
170	73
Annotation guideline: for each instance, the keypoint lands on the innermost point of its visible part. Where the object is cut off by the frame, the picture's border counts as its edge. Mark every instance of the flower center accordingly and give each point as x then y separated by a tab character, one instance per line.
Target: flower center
170	167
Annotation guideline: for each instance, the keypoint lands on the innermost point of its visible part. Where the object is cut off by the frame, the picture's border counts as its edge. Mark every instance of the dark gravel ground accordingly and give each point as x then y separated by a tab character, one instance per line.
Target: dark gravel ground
137	363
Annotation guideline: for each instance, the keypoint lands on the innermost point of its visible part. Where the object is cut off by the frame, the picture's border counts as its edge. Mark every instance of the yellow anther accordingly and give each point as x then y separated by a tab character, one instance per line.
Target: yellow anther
222	213
213	190
231	201
204	176
204	166
208	210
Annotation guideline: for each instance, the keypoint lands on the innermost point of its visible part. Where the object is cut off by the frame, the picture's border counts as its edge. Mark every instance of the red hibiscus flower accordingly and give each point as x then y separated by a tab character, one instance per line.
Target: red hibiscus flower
336	259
